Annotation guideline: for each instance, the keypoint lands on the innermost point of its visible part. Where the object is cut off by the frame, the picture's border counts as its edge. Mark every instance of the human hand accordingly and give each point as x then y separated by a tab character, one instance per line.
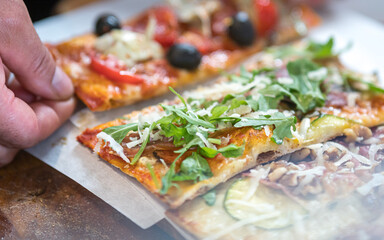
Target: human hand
39	99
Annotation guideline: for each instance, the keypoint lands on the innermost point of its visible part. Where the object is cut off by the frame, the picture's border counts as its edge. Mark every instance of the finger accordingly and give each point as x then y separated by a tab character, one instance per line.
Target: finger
52	114
26	56
25	125
7	73
21	92
7	155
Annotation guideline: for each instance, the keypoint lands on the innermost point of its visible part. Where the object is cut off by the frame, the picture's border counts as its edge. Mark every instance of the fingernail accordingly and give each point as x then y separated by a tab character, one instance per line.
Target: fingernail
62	84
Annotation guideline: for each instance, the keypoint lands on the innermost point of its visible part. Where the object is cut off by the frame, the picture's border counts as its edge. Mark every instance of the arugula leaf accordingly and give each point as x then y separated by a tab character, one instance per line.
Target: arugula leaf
371	87
153	175
282	125
314	50
218	111
195	168
166	180
227	151
143	145
193	120
214	140
275	94
179	134
210	197
235	103
178	95
307	91
321	50
118	133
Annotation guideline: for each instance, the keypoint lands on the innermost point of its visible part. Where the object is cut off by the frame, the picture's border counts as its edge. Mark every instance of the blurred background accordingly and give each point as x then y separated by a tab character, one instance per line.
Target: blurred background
40	9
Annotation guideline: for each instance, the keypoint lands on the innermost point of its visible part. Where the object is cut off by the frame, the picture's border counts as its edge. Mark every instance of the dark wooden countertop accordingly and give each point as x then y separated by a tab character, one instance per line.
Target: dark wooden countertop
38	202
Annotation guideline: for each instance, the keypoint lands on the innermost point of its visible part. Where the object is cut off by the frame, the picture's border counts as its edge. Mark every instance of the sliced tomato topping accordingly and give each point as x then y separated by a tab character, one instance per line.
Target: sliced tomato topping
267	16
167	25
204	44
112	69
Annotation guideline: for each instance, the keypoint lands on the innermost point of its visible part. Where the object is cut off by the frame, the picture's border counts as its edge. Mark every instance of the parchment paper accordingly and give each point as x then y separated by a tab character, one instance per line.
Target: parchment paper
62	152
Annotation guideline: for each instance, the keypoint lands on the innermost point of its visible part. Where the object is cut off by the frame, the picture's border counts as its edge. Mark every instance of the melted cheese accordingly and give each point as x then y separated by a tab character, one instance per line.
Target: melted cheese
188	11
129	47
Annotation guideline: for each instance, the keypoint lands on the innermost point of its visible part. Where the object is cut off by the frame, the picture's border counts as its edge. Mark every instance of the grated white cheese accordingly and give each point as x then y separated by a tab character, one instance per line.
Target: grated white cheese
255	176
304	126
343	160
113	144
206	112
358	157
318	170
373	150
188	11
377	180
205	141
351	99
318	74
267	130
285	80
129	47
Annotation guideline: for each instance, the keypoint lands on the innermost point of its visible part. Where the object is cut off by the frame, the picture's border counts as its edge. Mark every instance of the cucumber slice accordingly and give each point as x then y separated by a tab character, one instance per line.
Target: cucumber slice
265	201
327	125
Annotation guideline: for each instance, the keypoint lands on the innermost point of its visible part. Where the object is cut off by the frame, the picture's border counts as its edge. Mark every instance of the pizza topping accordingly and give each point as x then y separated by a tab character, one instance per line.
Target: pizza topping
183	55
188	11
377	180
105	23
241	29
267	16
312	50
113	144
265	200
112	69
129	47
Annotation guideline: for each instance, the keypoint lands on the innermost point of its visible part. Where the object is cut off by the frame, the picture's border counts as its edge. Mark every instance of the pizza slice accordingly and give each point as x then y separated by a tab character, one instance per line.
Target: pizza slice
330	190
274	106
173	45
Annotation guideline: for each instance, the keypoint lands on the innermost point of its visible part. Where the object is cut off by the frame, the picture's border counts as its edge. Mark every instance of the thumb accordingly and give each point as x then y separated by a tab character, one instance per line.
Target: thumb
26	56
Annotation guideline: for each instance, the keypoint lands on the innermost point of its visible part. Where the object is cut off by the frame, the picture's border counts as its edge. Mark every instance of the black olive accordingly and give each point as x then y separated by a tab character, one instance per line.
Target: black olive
241	29
183	55
105	23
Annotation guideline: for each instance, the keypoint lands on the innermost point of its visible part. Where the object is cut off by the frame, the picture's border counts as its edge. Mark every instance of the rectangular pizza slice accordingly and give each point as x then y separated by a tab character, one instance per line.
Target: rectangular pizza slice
330	190
274	106
173	45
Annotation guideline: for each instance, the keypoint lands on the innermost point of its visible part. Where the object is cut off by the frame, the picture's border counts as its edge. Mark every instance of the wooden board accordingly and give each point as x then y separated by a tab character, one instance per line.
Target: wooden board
38	202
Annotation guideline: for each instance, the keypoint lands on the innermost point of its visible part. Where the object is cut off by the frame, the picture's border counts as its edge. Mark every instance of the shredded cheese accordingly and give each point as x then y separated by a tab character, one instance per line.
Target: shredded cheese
318	74
129	47
113	144
377	180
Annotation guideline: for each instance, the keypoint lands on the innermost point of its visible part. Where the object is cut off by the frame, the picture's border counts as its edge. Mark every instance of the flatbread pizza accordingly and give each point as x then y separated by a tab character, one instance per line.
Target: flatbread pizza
286	99
173	45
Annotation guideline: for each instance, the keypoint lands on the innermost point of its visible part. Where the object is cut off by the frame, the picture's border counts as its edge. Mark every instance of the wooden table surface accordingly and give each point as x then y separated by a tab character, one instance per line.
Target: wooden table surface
38	202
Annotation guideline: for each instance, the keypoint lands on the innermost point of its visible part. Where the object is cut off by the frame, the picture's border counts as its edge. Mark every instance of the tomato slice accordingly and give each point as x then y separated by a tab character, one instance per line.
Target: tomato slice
167	25
267	16
204	44
113	70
